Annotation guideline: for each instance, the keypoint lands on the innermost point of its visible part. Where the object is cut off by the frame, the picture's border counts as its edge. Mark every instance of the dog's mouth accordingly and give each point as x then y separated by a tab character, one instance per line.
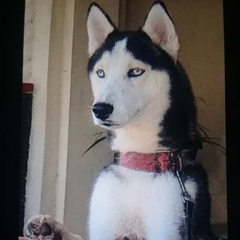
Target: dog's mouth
109	124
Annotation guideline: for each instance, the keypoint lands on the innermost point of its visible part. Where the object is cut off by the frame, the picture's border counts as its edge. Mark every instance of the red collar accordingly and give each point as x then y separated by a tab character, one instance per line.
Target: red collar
153	162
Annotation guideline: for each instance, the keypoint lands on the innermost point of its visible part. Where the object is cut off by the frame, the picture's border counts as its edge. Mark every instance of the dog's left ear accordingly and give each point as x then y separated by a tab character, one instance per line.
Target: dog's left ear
161	30
99	25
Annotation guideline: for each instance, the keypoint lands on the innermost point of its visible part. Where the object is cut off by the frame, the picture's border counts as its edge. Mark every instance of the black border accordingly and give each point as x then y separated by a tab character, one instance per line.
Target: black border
13	30
12	73
231	50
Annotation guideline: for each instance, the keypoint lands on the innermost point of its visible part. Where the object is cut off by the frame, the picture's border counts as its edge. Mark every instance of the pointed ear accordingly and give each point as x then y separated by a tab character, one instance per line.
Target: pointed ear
99	25
160	28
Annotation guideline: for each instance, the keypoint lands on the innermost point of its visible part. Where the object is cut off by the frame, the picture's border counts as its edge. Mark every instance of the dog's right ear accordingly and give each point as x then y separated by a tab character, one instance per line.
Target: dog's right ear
99	25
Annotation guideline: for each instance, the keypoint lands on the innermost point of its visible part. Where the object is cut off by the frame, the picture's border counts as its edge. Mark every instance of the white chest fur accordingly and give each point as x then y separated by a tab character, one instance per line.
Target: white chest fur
127	201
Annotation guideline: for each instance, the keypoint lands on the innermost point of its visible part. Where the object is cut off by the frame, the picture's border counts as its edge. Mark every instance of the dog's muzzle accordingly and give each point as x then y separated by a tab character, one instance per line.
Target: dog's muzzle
102	110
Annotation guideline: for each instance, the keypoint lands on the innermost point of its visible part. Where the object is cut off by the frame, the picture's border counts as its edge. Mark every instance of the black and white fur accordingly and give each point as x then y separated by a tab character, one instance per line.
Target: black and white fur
142	96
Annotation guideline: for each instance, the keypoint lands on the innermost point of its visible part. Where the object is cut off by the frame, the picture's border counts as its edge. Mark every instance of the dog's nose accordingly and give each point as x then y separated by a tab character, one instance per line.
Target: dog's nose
102	110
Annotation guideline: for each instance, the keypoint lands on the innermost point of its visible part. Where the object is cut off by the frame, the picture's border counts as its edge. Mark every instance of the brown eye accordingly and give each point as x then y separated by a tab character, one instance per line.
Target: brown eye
100	73
135	72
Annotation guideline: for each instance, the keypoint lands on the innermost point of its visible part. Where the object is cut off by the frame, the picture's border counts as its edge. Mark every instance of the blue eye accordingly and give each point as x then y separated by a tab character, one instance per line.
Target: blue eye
100	73
135	72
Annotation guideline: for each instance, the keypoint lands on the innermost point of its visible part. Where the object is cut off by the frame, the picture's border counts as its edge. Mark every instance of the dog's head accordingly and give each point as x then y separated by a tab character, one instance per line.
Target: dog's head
127	68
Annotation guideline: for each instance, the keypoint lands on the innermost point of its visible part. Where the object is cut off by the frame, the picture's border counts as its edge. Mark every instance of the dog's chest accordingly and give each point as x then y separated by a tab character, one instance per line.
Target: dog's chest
136	198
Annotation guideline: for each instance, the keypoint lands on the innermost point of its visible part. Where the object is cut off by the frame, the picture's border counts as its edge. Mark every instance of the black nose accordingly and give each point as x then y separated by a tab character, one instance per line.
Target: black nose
102	110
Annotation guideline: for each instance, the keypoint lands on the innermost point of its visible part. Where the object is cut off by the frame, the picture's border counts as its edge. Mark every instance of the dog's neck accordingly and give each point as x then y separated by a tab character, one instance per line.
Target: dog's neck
142	135
136	138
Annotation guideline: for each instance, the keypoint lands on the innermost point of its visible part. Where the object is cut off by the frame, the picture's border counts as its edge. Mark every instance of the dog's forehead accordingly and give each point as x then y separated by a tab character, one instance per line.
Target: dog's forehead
137	44
116	53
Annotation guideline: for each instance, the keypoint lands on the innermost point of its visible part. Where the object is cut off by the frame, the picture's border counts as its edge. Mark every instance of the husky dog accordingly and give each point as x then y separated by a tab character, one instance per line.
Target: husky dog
142	96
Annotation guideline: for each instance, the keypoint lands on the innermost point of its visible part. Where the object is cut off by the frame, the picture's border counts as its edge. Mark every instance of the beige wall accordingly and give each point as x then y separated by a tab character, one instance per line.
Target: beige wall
59	180
199	25
38	15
